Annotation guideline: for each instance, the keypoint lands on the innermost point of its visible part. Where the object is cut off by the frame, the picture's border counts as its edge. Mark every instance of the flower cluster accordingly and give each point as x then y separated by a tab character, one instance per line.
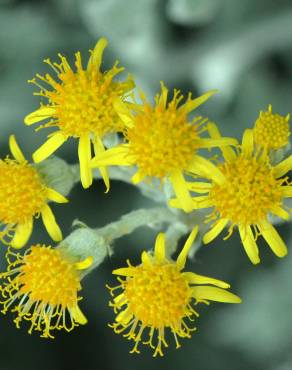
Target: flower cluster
164	142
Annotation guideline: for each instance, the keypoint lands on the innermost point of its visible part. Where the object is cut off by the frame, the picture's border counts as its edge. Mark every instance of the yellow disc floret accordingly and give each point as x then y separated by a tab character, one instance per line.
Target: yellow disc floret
249	192
45	283
157	295
165	291
271	130
162	139
48	277
83	100
22	192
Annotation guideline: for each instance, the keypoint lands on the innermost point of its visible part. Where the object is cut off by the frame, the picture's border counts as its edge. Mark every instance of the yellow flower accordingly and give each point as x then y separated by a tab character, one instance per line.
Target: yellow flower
81	105
157	296
243	191
42	287
23	196
272	131
162	141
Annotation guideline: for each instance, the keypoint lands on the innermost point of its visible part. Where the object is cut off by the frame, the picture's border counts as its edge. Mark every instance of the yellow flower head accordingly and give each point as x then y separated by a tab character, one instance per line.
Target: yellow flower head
243	191
272	131
23	196
157	295
162	141
42	287
81	105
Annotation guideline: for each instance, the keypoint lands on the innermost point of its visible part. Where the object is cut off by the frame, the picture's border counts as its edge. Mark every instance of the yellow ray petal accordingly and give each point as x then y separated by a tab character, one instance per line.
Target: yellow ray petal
215	230
203	167
214	294
95	59
249	243
181	190
98	149
247	142
174	202
181	259
51	224
199	202
84	154
55	196
203	201
39	115
124	317
49	147
118	156
126	86
22	234
280	212
123	112
272	237
283	167
84	264
195	103
124	271
119	298
199	187
15	150
159	249
227	152
138	177
286	191
145	258
163	96
78	315
201	279
211	143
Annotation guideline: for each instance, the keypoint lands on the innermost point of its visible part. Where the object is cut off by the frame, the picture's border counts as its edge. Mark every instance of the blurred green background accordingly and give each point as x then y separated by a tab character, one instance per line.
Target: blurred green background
242	48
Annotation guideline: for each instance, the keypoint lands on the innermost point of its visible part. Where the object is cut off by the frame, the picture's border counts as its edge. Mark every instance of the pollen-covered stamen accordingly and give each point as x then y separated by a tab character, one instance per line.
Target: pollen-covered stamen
42	287
272	130
249	192
162	139
48	277
22	192
82	101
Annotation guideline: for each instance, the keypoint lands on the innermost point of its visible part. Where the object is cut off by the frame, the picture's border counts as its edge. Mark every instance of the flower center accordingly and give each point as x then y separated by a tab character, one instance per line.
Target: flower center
22	193
272	130
47	277
84	103
158	295
162	140
249	192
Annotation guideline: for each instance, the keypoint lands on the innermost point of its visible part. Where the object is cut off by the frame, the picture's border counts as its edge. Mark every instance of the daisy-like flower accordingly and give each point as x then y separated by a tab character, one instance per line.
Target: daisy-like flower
271	130
157	296
243	191
162	141
42	287
23	197
81	105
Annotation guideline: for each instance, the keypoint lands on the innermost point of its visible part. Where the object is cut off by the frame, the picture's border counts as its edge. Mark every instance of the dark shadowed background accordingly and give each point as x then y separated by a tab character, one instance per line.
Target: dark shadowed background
242	48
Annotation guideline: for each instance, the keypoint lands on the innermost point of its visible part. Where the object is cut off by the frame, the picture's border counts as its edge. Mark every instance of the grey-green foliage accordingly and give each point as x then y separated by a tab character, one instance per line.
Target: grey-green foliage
192	12
261	326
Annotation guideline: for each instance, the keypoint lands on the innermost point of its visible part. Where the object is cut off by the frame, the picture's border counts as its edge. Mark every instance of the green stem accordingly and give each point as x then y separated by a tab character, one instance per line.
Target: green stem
84	242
